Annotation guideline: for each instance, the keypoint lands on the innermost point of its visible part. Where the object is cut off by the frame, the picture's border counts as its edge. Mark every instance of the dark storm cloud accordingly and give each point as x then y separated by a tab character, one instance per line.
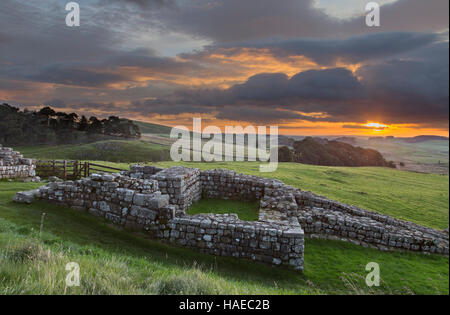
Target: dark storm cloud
407	15
39	47
258	115
57	103
411	89
231	20
148	59
237	20
403	76
260	96
330	84
151	107
40	36
5	38
350	50
78	77
143	3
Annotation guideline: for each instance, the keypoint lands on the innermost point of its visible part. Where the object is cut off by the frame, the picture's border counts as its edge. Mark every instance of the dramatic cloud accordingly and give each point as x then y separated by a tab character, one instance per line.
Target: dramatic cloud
78	77
349	50
412	90
237	20
262	61
395	91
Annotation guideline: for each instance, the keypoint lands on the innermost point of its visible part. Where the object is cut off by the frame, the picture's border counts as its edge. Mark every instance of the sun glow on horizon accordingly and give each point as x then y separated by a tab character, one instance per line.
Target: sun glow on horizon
376	126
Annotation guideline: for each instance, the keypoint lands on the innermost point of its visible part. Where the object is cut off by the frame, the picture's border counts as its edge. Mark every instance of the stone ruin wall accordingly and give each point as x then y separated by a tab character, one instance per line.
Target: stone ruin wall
320	217
141	204
155	200
13	165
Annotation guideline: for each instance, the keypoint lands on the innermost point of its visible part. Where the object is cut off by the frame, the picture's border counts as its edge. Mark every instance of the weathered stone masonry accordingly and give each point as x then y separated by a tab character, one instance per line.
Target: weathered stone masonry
155	200
139	204
13	165
321	217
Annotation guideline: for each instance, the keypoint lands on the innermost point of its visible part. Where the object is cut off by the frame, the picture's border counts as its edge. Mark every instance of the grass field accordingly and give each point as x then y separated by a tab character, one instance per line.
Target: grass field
150	128
115	261
247	211
417	197
427	156
113	150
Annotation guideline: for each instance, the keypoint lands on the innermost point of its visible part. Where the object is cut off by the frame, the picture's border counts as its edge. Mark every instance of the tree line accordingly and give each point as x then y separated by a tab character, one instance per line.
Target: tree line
49	126
331	153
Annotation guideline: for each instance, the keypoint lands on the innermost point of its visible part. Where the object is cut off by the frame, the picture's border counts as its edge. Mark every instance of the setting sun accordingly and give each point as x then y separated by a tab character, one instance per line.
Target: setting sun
376	126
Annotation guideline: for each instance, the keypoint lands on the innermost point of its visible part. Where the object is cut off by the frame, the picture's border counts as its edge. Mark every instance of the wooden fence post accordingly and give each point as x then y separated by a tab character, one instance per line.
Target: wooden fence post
65	169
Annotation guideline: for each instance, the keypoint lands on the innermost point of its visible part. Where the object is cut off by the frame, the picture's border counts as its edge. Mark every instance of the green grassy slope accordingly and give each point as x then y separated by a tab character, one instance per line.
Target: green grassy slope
117	262
421	198
248	211
427	152
114	151
153	128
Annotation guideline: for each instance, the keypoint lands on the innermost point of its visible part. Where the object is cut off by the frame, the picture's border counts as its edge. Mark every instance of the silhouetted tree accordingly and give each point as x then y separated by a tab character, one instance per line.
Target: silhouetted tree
285	154
83	124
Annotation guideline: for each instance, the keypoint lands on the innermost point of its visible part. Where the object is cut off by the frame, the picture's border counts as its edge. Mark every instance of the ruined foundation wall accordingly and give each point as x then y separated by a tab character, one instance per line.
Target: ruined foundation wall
321	217
129	202
226	235
180	183
13	165
154	200
139	204
226	184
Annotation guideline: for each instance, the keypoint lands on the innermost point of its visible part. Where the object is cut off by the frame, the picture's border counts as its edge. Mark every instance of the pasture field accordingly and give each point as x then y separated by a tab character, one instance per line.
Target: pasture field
118	262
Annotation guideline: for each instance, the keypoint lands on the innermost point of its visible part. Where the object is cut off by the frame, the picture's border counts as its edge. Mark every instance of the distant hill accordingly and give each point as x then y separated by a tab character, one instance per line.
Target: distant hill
332	153
150	128
349	140
129	151
424	138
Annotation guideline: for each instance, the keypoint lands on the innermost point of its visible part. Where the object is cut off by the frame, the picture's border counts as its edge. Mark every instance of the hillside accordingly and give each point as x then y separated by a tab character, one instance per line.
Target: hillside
424	139
319	151
149	128
113	151
131	264
431	156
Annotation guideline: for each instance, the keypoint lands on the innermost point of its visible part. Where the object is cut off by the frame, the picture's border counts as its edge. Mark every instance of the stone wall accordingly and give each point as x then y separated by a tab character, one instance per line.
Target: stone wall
321	217
130	202
180	183
155	200
226	235
141	204
13	165
225	184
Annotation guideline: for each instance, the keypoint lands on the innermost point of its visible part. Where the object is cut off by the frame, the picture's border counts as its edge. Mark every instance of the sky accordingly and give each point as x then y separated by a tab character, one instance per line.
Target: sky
310	67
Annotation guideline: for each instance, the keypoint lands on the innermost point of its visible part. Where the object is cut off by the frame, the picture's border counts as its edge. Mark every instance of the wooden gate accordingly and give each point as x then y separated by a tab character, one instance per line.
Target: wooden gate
71	170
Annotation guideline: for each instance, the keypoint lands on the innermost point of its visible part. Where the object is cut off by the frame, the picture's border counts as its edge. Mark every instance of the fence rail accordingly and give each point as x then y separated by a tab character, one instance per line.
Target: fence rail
68	169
